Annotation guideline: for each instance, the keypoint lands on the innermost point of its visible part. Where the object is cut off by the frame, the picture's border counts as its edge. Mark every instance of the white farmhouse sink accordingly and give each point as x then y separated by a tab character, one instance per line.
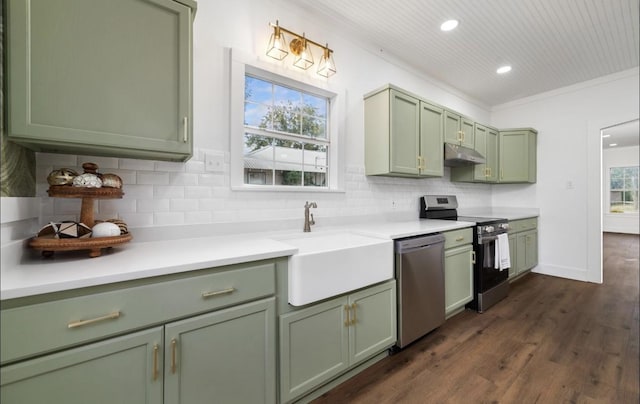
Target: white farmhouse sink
329	264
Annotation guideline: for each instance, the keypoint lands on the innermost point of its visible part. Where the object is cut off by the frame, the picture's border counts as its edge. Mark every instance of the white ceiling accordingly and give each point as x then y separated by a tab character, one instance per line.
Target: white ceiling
549	43
623	135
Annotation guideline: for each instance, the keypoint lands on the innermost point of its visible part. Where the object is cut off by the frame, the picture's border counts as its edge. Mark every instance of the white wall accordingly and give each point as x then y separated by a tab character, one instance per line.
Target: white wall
159	194
568	189
617	222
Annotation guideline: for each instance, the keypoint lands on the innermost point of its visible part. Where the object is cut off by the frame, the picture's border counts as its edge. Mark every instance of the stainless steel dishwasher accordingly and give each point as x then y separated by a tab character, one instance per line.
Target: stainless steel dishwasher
419	265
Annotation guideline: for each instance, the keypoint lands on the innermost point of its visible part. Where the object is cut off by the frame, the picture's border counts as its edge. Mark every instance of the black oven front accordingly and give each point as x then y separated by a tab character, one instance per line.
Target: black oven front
491	283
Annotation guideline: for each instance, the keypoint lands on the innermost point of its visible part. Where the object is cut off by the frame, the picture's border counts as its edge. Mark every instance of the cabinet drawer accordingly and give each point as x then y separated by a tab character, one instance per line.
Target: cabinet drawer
457	238
62	323
516	226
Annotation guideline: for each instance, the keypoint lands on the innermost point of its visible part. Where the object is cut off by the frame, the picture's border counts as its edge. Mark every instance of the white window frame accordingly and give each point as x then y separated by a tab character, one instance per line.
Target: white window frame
607	206
240	65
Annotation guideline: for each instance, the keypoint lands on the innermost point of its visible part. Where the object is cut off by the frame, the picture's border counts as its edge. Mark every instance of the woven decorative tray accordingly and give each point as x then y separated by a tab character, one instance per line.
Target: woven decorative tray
50	244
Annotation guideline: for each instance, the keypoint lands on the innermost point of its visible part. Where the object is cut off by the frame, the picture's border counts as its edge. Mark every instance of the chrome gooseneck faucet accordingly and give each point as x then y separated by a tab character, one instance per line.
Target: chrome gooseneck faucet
308	222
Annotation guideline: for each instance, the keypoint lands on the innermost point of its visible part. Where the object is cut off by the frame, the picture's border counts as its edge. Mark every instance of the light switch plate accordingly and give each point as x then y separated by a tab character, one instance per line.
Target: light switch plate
214	162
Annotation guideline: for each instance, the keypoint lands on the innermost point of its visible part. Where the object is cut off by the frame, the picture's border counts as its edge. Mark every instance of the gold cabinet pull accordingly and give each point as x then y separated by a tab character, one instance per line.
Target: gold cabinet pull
155	362
218	292
473	257
81	323
346	313
173	356
460	238
355	317
185	129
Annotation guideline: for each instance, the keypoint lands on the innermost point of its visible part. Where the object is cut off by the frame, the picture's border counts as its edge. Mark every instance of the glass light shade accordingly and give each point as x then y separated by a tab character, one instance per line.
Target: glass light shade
327	66
277	47
305	59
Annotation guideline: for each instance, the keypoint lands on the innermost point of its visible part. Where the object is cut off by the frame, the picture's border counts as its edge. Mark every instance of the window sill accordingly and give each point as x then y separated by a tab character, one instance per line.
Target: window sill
262	188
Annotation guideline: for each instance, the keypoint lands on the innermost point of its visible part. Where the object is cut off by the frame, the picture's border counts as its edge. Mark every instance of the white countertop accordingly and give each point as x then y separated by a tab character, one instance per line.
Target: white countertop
25	273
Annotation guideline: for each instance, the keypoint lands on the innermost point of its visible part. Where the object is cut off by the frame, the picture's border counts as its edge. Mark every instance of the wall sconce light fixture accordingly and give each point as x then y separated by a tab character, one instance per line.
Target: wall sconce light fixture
299	47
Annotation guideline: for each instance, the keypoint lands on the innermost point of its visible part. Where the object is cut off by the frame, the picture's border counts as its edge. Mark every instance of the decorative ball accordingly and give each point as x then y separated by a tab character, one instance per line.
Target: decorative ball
106	229
63	176
87	180
120	223
67	229
111	181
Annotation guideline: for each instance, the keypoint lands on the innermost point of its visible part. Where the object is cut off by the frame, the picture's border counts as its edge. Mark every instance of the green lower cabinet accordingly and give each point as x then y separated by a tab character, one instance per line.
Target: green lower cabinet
513	255
321	342
523	246
227	356
117	370
458	278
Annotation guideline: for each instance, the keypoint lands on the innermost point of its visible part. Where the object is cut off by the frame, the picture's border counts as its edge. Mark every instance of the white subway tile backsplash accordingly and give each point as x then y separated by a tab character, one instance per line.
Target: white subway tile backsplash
137	165
138	219
152	178
152	205
183	179
168	218
171	192
169	166
104	163
197	192
167	193
183	205
198	217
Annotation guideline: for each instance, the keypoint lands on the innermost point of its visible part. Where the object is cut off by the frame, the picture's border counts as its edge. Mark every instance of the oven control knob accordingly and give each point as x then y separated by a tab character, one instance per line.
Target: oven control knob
489	229
504	226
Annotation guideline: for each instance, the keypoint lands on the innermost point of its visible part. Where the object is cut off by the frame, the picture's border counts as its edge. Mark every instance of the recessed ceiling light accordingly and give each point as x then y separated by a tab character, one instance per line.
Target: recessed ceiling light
606	136
613	144
503	69
449	25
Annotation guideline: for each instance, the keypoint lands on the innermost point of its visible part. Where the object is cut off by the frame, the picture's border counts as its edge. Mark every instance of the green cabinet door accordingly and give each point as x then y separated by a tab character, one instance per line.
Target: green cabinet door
109	78
458	278
125	369
405	133
491	155
373	320
458	129
521	254
531	241
323	341
314	347
517	155
227	356
513	255
431	139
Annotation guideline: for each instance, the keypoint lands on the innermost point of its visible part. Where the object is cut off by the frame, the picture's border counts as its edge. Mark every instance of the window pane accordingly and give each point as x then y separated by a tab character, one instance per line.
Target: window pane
313	127
282	159
285	118
318	104
256	115
257	90
616	172
617	183
286	96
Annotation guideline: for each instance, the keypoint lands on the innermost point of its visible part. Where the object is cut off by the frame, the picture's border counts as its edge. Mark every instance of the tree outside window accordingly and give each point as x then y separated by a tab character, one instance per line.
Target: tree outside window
285	141
623	188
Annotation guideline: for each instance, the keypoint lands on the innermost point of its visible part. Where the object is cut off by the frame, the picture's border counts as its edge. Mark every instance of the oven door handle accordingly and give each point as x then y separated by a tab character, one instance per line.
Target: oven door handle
487	239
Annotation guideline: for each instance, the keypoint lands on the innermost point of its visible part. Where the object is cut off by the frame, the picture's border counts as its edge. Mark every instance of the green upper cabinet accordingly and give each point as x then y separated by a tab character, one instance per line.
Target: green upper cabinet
403	135
458	129
110	78
517	155
431	139
486	143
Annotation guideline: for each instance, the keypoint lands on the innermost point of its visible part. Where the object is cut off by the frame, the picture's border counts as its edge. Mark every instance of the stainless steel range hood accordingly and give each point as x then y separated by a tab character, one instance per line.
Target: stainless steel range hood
455	155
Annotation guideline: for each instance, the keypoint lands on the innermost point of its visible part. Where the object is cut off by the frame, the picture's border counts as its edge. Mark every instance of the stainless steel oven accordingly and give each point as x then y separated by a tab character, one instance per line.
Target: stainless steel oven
490	282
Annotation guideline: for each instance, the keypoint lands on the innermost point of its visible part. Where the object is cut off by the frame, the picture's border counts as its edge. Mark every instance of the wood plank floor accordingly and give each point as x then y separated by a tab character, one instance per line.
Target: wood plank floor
552	340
